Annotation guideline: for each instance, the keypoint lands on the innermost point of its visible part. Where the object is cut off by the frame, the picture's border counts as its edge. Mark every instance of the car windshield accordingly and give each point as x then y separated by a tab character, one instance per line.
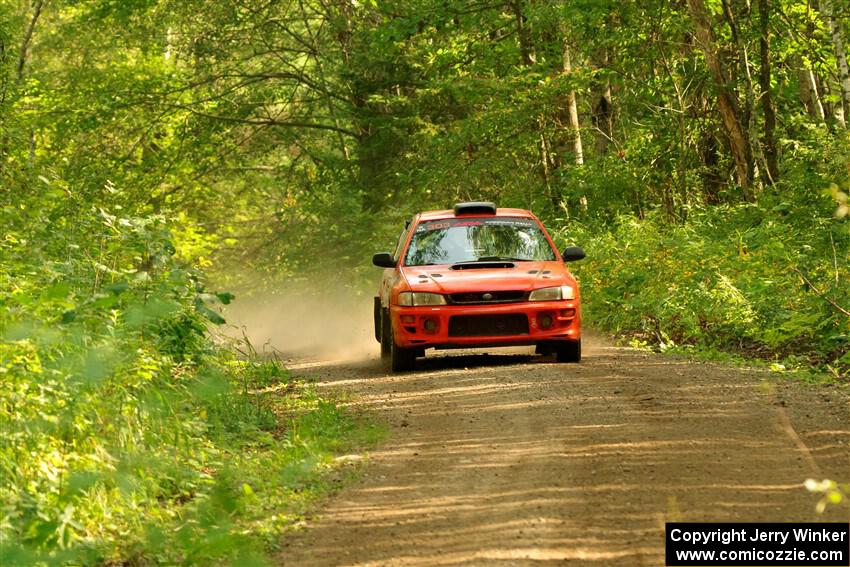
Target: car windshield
453	241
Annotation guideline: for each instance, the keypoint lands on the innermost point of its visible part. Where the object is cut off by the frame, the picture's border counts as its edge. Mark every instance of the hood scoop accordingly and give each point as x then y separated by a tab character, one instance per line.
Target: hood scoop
483	265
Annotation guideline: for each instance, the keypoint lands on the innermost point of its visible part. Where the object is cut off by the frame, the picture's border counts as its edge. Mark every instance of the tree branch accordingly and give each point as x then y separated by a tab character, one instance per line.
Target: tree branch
25	44
270	121
821	294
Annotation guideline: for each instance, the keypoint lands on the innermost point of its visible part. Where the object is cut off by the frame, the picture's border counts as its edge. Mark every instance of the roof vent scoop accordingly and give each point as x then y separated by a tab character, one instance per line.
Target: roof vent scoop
475	208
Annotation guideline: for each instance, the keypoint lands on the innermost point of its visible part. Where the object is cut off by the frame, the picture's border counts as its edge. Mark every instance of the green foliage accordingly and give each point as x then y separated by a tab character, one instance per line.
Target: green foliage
832	493
122	422
756	280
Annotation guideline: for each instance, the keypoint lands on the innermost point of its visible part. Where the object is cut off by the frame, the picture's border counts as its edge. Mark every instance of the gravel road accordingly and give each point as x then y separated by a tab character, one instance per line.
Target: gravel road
514	459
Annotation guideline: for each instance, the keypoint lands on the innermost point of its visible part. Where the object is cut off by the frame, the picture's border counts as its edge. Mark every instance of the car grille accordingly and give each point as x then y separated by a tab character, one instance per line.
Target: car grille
488	325
471	298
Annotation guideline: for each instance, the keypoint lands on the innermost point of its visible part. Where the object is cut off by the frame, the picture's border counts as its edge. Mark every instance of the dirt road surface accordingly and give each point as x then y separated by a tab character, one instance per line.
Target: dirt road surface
512	459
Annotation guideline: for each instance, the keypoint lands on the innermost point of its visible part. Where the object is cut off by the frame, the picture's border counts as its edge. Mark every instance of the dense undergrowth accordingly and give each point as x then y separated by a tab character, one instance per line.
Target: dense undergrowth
765	281
128	435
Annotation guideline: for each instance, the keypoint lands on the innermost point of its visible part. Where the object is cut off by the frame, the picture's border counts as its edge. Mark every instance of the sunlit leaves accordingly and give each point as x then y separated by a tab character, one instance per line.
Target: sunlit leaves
840	198
832	493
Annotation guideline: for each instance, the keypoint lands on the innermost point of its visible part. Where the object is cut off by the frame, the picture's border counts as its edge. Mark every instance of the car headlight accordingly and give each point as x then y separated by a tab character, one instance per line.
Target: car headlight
553	293
417	298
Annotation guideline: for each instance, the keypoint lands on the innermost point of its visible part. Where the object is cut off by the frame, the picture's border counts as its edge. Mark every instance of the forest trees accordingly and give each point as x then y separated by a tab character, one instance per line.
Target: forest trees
278	129
374	103
730	112
289	112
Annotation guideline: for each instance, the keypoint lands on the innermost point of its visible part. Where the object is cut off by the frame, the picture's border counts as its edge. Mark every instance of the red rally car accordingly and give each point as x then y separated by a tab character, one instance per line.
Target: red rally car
476	276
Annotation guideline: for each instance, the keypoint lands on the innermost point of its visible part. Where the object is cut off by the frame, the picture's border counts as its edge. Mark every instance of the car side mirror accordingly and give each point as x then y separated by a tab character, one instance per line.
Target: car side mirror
572	253
383	260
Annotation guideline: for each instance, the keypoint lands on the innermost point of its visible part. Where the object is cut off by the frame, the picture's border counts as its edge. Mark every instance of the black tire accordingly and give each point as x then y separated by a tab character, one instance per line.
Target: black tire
386	335
377	314
401	359
568	351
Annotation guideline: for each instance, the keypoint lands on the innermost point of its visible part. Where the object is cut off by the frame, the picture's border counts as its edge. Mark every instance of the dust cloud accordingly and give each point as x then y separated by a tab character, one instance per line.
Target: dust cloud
331	325
323	324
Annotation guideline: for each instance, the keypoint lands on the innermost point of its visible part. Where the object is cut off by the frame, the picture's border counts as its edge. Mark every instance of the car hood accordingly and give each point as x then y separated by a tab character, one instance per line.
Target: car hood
523	276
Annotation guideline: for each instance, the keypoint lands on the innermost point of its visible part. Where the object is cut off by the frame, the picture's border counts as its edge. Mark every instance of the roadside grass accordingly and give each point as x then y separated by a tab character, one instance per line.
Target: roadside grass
128	436
281	444
315	447
270	452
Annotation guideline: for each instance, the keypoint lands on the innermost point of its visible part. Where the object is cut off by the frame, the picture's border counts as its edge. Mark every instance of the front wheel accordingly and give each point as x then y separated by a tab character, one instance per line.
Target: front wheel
386	335
568	351
401	359
378	313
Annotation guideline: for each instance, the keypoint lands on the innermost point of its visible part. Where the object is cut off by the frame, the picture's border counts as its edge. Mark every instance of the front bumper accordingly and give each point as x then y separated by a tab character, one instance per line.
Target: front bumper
429	326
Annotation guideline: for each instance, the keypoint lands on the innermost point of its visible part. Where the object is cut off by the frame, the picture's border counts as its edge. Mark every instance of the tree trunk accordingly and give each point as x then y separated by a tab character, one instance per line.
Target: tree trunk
548	165
771	173
729	112
837	34
809	95
525	48
20	67
712	181
681	138
744	62
25	44
746	115
572	109
603	110
833	112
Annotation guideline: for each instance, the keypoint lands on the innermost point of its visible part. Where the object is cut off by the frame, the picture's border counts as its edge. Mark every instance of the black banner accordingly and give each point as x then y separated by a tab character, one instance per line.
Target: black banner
764	545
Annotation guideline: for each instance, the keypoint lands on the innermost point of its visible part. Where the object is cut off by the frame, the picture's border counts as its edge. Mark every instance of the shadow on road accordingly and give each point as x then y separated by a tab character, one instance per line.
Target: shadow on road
515	459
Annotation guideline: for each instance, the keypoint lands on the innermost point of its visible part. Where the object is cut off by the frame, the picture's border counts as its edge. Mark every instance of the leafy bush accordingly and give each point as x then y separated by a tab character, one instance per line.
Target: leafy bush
753	279
122	422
